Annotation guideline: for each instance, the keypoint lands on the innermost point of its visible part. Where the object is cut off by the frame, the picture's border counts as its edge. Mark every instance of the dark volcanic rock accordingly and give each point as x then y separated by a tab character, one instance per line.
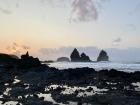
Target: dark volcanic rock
12	61
5	58
8	61
75	56
63	59
85	58
27	61
120	90
103	56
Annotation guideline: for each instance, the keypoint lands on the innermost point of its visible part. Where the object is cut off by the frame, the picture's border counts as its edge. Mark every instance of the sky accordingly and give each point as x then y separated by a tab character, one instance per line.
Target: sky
46	26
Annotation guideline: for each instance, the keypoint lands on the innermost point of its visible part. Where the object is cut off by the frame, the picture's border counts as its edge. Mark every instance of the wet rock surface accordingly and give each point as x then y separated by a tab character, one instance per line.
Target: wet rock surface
48	86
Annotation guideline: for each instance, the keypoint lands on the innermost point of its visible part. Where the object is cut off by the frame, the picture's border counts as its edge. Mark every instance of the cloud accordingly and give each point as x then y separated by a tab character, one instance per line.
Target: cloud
115	54
25	47
84	10
135	10
130	27
54	3
17	4
81	10
5	11
116	42
17	49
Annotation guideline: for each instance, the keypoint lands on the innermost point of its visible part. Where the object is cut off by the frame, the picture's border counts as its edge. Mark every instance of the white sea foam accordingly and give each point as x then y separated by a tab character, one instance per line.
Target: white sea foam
71	90
137	88
128	67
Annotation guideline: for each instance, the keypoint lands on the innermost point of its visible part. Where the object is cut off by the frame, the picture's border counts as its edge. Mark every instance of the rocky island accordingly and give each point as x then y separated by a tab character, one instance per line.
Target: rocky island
103	56
76	57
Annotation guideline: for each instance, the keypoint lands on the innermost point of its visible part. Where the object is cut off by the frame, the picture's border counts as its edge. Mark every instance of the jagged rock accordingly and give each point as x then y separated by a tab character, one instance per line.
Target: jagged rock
63	59
85	58
75	56
26	56
27	61
103	56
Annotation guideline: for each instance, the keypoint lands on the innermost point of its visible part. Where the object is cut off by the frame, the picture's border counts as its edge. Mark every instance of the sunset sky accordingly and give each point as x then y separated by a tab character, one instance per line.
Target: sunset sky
48	24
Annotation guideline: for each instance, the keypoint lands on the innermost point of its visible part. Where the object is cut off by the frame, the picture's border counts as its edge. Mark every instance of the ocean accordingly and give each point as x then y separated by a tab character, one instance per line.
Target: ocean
127	67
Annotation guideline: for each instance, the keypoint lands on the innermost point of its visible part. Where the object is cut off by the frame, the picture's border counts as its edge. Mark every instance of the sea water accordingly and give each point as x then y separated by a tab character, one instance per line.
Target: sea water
127	67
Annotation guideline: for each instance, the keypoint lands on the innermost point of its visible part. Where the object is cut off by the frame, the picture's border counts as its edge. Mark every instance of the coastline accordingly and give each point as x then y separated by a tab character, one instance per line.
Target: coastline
121	87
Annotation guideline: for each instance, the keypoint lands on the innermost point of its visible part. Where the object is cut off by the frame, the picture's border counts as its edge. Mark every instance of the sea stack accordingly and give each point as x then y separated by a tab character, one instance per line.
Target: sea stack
75	56
85	58
103	56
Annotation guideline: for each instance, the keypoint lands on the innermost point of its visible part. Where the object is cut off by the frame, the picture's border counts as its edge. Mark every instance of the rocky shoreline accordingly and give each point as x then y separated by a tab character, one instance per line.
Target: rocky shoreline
80	86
